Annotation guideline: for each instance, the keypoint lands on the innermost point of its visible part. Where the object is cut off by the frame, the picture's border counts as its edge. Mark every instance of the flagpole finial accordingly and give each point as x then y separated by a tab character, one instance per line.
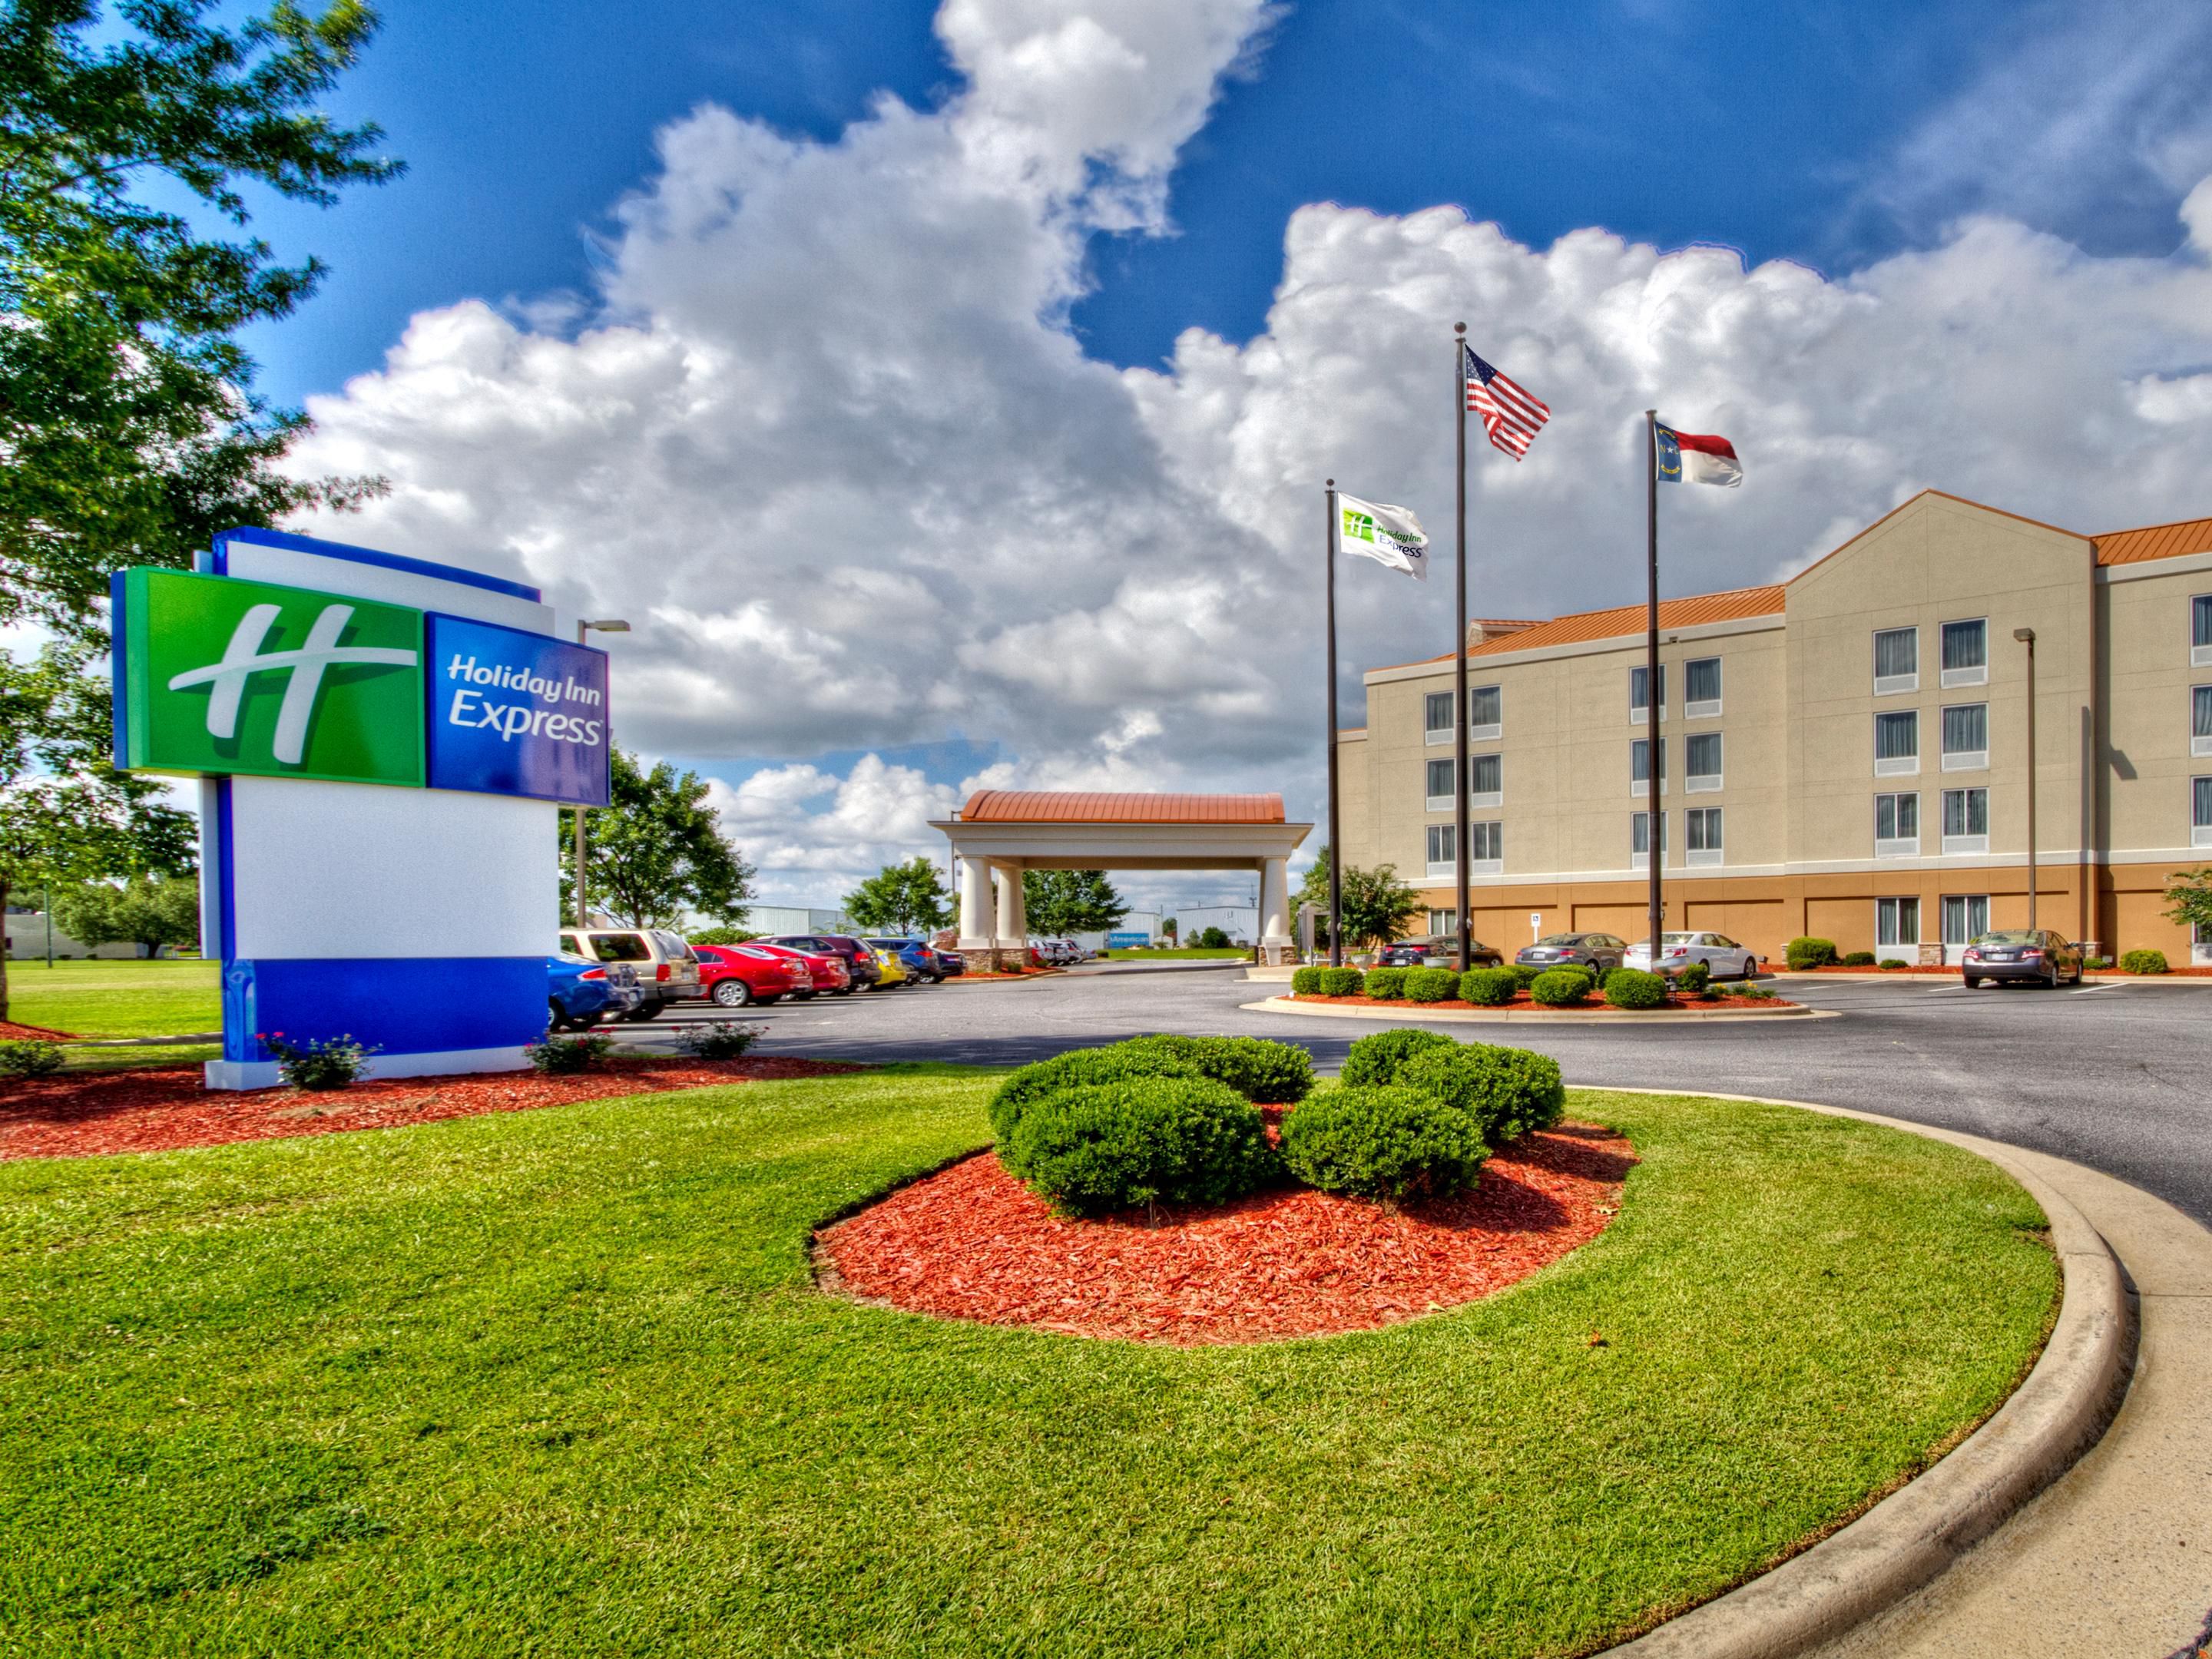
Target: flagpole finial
1330	484
1459	328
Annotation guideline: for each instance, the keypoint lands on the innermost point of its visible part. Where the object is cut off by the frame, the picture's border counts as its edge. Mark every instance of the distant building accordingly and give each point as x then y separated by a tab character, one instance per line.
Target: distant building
790	919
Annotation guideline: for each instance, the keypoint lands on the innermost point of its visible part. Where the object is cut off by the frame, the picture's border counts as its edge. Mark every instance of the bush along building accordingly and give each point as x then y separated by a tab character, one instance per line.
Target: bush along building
1844	754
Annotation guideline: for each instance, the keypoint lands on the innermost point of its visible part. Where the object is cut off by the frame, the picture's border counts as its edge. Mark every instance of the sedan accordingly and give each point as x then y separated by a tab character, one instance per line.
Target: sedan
580	992
829	973
740	976
1593	950
917	959
1722	957
953	963
859	961
2034	954
1438	949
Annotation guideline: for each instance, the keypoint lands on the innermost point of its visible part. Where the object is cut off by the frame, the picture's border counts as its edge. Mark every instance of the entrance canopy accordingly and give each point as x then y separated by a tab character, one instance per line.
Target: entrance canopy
999	833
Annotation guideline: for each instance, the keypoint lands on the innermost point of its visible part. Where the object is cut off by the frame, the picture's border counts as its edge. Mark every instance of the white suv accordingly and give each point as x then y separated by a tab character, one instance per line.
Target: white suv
667	971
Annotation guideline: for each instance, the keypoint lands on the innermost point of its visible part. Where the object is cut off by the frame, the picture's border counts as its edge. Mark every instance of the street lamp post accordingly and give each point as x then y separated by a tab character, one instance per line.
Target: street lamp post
611	625
2026	637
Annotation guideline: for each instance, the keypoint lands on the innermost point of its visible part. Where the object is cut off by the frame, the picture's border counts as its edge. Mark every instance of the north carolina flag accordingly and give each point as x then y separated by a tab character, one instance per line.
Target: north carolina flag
1695	457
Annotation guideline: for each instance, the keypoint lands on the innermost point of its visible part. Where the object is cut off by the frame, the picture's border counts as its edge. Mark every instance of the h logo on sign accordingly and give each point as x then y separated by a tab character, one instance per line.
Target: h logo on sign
244	656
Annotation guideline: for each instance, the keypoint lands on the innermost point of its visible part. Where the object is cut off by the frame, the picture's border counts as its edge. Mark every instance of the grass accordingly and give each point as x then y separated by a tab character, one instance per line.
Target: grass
558	1382
98	999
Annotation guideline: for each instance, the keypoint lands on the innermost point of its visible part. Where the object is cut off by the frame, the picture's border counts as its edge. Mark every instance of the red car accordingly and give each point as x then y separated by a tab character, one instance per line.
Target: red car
831	973
737	976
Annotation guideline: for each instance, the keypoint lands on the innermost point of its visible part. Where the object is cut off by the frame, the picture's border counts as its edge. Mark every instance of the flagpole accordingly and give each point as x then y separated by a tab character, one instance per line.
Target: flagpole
1335	841
1461	779
1654	703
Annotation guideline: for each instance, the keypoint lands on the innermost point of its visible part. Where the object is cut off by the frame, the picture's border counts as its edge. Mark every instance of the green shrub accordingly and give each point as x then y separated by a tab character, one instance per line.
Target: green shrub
2096	961
557	1056
1341	982
2142	961
1756	993
1632	988
719	1039
1306	981
1432	985
1526	972
29	1057
1505	1092
1383	1142
1489	987
1386	984
1694	977
1890	964
1375	1062
1856	959
1109	1146
1272	1073
1562	988
1802	954
1079	1068
328	1063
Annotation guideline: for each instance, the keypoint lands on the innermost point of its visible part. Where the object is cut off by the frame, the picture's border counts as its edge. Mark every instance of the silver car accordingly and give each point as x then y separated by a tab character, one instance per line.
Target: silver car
1722	957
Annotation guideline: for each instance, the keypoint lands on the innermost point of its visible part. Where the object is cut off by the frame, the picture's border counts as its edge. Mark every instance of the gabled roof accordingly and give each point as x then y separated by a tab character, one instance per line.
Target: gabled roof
2158	541
1101	806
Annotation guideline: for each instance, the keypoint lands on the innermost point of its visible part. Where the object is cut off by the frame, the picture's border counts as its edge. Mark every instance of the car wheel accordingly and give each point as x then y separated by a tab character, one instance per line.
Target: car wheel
731	994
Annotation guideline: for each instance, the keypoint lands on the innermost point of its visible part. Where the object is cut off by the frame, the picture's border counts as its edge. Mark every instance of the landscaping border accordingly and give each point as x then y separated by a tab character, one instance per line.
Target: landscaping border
1911	1537
1397	1011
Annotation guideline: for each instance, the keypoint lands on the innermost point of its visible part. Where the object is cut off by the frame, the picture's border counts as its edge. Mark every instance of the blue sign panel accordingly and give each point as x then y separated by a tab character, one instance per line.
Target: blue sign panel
514	712
1126	941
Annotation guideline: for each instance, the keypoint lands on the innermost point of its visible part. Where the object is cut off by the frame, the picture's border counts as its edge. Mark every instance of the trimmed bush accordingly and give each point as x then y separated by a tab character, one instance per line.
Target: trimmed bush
1803	953
1273	1073
1079	1068
1146	1140
1306	981
1489	987
1505	1092
2142	961
29	1057
560	1056
2096	961
1889	964
1526	972
1632	988
1383	1142
1432	985
1341	982
1386	984
1694	978
1562	988
1375	1062
1856	959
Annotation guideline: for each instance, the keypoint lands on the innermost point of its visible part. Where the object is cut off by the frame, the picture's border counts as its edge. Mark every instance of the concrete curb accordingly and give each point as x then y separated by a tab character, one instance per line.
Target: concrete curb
1396	1013
1912	1536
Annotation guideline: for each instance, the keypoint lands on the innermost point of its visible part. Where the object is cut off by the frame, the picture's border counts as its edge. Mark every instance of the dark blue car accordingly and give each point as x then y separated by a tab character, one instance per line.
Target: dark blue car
581	993
919	961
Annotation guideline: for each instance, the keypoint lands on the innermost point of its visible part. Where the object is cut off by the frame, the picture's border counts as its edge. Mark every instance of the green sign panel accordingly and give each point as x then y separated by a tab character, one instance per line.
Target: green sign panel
224	675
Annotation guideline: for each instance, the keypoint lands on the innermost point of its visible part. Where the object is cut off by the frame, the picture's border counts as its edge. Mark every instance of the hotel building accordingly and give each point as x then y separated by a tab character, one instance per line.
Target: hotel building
1843	755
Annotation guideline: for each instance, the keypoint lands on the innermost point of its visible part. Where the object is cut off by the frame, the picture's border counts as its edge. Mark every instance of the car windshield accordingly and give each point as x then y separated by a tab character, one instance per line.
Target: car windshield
2018	936
622	947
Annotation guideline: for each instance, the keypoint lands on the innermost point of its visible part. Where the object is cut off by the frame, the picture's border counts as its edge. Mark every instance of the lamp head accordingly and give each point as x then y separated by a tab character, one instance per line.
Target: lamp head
2024	635
612	625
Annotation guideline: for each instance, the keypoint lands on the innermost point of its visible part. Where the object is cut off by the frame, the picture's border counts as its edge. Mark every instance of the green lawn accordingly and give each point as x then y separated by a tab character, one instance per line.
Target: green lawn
557	1383
116	999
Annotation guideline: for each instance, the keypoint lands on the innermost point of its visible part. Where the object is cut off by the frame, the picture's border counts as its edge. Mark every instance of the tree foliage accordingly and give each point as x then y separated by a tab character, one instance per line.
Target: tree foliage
1058	902
900	898
1375	907
2189	898
147	910
655	852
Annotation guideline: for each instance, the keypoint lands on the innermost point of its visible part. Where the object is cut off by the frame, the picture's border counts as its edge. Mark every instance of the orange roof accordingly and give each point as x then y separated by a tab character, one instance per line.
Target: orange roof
1625	621
1094	807
2158	541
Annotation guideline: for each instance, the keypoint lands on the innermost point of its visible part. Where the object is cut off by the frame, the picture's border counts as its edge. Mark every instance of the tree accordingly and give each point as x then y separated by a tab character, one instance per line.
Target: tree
720	935
657	850
1373	906
66	815
151	911
1168	927
2189	900
1062	902
908	898
1210	939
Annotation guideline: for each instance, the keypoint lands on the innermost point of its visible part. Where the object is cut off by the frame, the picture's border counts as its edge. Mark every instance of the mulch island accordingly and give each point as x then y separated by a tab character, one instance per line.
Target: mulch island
12	1032
166	1109
1523	1003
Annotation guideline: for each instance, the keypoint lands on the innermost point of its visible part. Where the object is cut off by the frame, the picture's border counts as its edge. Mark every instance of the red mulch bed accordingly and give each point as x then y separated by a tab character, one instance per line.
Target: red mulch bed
12	1032
1523	1003
972	1242
160	1111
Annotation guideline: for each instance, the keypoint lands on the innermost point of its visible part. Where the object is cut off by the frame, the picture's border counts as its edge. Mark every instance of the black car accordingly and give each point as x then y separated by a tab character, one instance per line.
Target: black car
953	963
859	961
1592	950
2035	954
1438	949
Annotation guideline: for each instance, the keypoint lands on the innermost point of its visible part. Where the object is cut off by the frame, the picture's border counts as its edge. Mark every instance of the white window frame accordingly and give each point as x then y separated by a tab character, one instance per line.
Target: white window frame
2200	651
1701	783
1442	921
2200	743
1711	829
1704	708
1962	760
1965	910
1434	735
1886	685
1484	797
2200	811
1964	846
1897	847
1898	766
1640	788
1442	803
1444	835
1637	711
1486	731
1977	675
1486	835
1889	914
1642	860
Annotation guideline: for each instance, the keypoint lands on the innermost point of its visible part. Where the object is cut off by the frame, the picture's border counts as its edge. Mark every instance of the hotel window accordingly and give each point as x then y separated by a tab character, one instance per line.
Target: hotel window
1703	767
1897	921
1639	840
1440	786
2200	631
1442	921
1897	826
1443	850
1966	820
1896	744
1639	766
1485	849
1896	661
1701	692
1639	701
1701	836
1486	779
2200	811
1486	711
1967	652
2200	720
1966	736
1437	716
1965	917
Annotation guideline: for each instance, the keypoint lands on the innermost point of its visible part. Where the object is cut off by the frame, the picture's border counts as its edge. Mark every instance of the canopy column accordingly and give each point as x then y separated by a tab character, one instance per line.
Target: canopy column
1013	934
1277	946
978	918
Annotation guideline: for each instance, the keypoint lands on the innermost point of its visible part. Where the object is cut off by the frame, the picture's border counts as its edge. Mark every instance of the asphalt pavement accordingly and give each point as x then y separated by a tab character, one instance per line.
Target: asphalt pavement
2117	1076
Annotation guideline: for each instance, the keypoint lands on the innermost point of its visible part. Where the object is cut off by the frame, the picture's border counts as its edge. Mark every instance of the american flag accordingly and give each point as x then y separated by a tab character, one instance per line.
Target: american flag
1509	415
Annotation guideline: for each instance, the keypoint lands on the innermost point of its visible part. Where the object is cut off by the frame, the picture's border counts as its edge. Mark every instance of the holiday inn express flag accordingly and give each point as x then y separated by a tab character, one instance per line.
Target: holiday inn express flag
1388	535
1694	457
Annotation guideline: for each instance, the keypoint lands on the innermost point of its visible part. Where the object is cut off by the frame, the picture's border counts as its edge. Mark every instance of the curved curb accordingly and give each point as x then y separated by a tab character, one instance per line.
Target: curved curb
1513	1016
1913	1536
